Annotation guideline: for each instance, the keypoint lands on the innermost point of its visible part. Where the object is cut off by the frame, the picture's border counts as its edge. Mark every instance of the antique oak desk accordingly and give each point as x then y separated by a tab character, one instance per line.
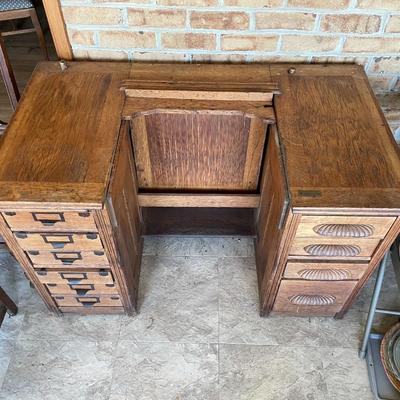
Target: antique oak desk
99	154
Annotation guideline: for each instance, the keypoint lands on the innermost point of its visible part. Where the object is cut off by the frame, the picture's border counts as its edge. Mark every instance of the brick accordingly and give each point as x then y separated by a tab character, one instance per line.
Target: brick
277	59
193	3
249	42
126	39
103	55
320	4
219	20
221	57
390	104
300	21
81	37
371	45
199	41
339	60
385	65
309	43
157	18
386	5
158	56
92	15
253	3
393	24
379	84
351	23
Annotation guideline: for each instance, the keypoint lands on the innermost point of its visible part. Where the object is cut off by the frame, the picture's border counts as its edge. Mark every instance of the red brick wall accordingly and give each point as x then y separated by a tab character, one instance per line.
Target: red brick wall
362	31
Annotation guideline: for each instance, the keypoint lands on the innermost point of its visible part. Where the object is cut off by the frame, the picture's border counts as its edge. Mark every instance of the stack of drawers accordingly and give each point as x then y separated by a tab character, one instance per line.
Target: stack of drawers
328	256
67	255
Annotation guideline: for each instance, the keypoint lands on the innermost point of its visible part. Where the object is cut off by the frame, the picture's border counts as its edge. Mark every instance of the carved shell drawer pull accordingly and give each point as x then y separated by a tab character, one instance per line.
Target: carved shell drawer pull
312	299
333	250
344	230
329	274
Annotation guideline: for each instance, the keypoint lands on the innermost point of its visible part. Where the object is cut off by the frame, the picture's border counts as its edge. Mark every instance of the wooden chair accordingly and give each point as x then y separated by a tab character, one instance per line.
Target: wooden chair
10	83
17	9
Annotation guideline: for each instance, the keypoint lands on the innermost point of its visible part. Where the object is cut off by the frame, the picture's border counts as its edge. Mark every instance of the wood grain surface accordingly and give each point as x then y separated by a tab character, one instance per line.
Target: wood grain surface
250	74
184	150
339	150
271	217
324	271
199	200
138	106
310	225
66	128
121	222
198	221
336	293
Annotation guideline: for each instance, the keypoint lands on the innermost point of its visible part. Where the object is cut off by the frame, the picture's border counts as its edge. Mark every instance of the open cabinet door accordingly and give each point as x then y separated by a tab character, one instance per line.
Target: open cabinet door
125	219
271	220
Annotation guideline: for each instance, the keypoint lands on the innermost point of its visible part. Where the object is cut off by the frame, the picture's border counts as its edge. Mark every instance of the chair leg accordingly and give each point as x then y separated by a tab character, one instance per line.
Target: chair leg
8	303
8	75
39	32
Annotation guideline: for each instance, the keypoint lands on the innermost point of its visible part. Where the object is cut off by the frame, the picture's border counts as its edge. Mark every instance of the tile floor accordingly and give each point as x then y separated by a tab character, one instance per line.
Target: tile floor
198	336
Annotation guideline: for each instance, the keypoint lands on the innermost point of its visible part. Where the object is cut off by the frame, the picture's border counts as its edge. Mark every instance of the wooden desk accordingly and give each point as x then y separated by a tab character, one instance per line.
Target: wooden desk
99	154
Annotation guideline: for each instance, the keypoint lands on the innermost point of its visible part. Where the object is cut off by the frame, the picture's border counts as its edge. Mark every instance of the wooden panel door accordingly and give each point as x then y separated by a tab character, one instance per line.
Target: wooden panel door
125	217
198	150
271	219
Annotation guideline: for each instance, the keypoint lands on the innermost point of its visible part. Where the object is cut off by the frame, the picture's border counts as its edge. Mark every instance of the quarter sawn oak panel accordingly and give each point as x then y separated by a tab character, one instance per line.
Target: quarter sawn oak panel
193	150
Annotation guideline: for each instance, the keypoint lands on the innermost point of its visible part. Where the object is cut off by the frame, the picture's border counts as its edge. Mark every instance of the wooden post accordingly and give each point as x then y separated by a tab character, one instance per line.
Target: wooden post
58	29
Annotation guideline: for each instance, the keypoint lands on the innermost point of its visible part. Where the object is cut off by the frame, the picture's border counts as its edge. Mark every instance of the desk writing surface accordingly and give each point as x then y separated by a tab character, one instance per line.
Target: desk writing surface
338	148
59	144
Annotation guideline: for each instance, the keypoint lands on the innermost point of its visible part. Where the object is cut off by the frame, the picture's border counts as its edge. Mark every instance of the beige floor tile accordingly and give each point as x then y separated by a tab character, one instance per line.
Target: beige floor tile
165	371
59	370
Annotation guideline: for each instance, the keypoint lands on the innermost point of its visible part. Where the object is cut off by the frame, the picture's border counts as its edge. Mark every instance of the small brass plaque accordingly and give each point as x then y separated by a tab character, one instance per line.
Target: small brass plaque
309	193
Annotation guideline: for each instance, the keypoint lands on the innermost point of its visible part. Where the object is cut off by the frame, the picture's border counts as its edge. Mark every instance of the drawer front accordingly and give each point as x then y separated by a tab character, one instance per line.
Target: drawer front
88	301
318	271
82	289
62	241
312	298
333	248
59	259
101	277
344	227
50	221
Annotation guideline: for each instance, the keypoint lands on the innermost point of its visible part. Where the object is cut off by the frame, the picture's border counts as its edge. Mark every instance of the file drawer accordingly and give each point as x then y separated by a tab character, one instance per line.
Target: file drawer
62	241
50	221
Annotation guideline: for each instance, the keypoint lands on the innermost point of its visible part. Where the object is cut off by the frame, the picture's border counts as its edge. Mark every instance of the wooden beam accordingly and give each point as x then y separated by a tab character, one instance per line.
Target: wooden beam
199	95
199	200
58	29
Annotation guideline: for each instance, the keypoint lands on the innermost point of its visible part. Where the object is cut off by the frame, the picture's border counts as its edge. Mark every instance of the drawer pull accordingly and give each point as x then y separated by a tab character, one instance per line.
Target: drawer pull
329	274
81	290
68	258
73	277
333	250
84	214
41	273
344	230
58	241
21	235
48	219
88	301
312	299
